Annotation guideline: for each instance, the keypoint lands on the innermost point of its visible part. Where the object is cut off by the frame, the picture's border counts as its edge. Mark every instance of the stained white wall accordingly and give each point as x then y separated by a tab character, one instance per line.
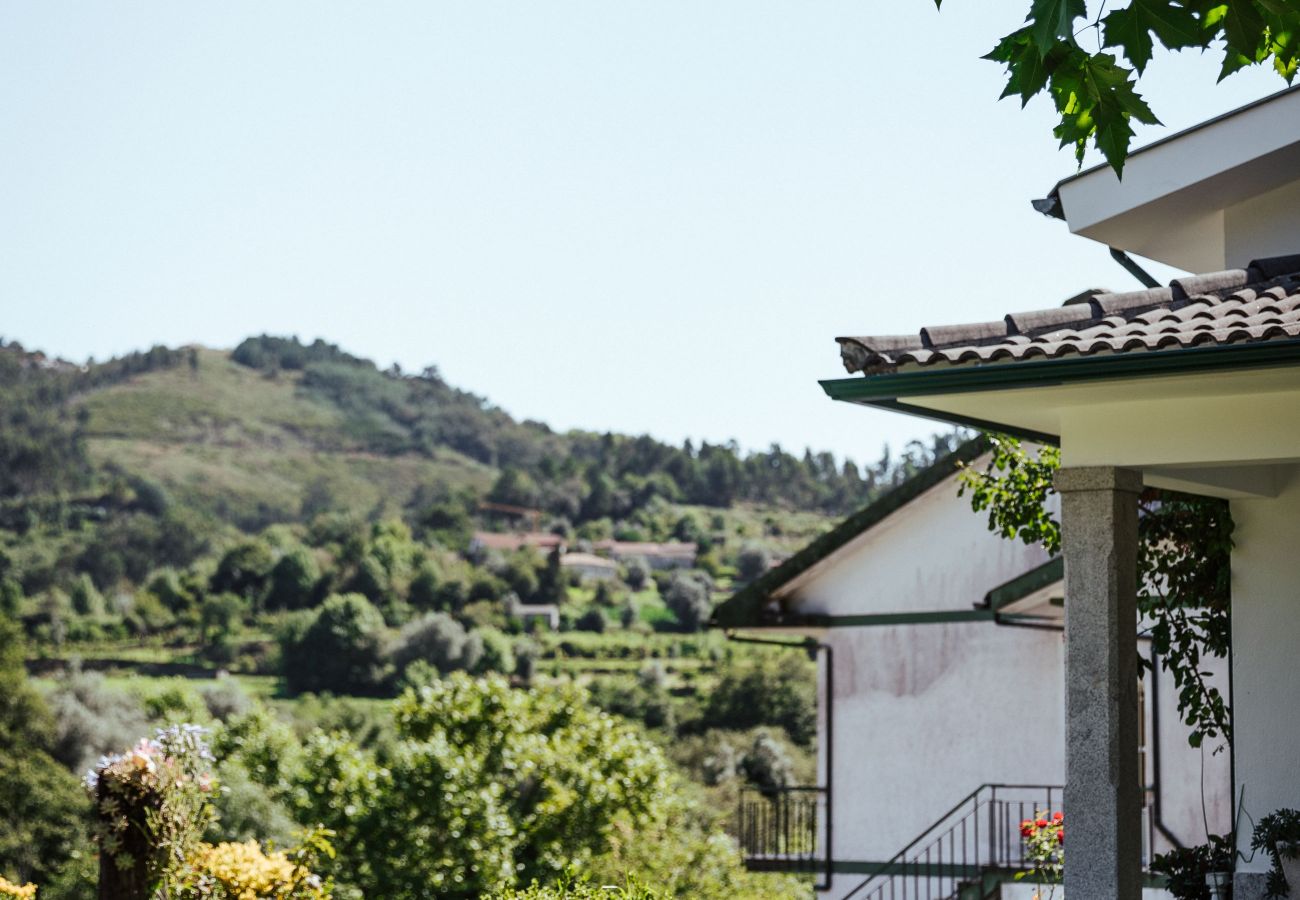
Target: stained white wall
934	554
1266	644
924	714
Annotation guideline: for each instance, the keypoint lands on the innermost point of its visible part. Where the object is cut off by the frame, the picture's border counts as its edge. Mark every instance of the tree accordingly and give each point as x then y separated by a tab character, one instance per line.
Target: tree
778	691
688	599
43	809
243	570
752	562
339	650
488	786
293	580
1184	562
1095	92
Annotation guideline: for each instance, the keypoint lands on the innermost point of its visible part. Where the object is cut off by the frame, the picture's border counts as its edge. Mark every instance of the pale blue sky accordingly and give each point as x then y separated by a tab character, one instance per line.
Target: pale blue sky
634	216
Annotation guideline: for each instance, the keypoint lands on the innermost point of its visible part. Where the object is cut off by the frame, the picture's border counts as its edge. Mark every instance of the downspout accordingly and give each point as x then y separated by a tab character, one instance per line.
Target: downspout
1130	265
812	647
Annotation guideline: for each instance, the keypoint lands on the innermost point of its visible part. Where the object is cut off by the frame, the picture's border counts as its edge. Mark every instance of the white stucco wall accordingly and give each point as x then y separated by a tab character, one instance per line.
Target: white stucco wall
1266	642
934	554
926	713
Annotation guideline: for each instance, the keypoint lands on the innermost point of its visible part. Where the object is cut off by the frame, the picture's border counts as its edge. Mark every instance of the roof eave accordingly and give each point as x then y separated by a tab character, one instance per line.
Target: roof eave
745	608
891	390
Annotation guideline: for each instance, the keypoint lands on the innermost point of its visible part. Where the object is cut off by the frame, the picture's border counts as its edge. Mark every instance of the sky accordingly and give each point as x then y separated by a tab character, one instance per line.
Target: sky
642	217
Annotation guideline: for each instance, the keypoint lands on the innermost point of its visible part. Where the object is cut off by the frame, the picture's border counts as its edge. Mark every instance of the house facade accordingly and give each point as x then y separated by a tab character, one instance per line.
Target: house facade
940	702
1193	386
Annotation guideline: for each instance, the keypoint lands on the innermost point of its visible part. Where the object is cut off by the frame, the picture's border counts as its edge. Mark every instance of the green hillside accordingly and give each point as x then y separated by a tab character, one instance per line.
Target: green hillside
251	448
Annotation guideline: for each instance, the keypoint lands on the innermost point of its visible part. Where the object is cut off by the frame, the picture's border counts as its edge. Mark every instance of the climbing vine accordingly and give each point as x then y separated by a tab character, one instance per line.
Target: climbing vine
1183	561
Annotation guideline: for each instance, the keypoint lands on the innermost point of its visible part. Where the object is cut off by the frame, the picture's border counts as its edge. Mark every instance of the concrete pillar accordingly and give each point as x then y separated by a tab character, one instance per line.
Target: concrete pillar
1103	802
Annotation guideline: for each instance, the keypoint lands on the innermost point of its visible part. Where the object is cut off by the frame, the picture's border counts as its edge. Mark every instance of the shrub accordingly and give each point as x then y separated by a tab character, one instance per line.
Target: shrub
592	620
498	654
440	641
752	562
688	599
91	719
766	764
776	691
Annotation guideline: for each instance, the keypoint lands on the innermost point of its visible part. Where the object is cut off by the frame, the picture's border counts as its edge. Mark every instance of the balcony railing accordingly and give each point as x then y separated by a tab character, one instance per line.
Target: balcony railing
783	829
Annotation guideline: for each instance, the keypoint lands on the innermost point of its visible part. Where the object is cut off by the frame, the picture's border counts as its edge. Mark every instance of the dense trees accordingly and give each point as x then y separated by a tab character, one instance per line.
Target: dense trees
42	807
581	476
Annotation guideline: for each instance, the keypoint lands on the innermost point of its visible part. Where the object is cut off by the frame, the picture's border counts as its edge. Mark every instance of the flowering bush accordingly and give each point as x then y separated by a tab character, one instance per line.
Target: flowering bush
1044	840
152	805
11	891
244	871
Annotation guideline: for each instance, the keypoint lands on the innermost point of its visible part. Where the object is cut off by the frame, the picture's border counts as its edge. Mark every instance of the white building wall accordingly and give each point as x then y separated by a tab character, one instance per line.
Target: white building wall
926	713
935	554
1266	641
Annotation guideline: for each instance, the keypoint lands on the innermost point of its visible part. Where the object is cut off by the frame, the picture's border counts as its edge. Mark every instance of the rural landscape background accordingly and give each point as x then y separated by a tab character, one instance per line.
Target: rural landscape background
275	541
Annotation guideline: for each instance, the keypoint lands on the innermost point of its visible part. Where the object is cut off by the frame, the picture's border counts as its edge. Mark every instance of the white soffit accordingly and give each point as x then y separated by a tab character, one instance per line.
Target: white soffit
1170	205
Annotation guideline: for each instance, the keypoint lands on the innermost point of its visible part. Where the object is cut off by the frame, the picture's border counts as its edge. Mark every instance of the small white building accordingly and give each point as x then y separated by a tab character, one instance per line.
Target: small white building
940	702
589	566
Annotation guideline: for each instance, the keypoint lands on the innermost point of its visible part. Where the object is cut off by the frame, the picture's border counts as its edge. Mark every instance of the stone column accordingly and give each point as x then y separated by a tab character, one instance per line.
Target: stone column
1103	803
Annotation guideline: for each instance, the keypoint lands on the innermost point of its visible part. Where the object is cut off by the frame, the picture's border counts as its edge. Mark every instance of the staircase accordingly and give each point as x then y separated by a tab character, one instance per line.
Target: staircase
969	852
973	849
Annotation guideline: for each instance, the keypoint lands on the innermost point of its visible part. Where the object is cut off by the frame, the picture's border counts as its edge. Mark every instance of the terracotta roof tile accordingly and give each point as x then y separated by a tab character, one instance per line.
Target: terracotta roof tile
1259	303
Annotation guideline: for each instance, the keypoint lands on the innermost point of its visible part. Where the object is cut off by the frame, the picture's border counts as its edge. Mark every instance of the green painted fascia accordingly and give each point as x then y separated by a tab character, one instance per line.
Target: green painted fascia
1022	586
744	608
960	379
919	869
875	620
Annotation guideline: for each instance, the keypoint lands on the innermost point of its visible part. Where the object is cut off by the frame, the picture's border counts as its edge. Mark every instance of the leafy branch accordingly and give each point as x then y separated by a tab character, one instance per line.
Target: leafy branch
1184	553
1095	93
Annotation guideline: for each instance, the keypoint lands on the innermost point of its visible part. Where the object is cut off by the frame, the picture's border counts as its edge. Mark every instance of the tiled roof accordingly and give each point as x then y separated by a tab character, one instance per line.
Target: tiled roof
1255	304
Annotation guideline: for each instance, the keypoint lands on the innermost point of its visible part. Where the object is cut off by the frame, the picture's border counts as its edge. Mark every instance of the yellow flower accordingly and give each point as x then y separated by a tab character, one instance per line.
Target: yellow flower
247	872
10	890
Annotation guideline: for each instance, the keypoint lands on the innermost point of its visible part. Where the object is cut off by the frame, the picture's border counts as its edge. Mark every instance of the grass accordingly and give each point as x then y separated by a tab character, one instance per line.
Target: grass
238	445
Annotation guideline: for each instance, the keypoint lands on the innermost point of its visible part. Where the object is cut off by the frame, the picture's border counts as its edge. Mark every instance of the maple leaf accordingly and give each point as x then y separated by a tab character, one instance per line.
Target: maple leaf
1053	20
1132	28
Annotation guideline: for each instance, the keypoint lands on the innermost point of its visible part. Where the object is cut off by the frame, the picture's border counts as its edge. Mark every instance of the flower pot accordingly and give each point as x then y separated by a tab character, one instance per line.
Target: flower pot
1220	885
1289	856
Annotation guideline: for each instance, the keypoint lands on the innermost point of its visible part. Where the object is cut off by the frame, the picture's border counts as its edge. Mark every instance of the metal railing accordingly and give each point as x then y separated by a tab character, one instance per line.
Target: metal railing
976	841
778	828
981	834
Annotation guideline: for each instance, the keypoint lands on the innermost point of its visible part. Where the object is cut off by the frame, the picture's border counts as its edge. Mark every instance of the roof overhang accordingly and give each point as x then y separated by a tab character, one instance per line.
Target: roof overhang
1216	419
1176	201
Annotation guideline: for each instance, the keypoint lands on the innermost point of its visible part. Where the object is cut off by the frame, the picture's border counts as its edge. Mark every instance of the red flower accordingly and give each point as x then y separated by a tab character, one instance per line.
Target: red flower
1057	817
1041	823
1060	836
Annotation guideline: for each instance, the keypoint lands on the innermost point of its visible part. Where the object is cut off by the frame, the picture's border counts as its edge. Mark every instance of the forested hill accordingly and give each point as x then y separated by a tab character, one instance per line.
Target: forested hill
277	430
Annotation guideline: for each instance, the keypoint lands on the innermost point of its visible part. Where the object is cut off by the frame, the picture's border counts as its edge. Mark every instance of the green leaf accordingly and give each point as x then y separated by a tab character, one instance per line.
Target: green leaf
1027	69
1244	29
1132	27
1053	21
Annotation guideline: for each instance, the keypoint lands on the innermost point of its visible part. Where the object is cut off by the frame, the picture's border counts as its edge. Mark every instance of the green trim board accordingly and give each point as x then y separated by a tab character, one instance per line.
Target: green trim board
876	620
1022	586
960	379
746	607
